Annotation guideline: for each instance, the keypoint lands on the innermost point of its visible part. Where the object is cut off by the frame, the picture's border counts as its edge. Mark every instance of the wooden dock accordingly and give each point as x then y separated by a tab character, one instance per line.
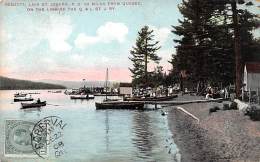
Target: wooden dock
119	95
171	102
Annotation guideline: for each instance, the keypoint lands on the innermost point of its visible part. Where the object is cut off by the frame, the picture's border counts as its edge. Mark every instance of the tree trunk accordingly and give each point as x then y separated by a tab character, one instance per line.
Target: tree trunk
145	65
145	73
237	47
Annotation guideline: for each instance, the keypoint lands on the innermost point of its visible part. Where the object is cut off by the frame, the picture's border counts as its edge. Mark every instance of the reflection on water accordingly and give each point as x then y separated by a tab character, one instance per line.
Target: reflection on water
91	135
143	134
107	131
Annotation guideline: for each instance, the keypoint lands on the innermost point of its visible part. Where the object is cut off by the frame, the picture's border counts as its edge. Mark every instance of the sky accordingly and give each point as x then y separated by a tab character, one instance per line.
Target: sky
75	45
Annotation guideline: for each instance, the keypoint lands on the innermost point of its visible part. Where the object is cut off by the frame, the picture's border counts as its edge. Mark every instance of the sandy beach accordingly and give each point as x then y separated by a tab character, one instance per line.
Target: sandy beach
222	136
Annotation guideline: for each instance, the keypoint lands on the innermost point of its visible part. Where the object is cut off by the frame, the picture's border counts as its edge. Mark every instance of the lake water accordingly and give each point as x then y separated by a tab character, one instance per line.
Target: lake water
94	135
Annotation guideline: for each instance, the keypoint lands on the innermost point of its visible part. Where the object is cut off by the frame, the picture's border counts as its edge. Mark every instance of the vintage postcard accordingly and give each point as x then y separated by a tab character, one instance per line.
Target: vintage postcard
129	80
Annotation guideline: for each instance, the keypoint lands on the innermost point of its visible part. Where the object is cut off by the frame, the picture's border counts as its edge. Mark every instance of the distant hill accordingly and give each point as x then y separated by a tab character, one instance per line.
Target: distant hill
78	84
16	84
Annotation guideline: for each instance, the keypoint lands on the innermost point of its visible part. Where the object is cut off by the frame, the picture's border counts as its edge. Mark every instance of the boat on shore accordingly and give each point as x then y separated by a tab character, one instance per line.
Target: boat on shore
22	99
163	98
83	97
32	105
120	105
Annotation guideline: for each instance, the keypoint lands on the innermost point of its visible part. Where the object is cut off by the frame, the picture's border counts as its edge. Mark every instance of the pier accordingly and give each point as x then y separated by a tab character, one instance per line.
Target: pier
172	103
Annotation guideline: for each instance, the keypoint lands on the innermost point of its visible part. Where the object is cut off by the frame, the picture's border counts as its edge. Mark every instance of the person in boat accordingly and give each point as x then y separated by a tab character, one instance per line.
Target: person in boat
38	100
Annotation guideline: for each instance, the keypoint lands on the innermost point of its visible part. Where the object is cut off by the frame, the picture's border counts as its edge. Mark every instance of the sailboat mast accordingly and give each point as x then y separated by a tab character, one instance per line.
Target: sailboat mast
106	82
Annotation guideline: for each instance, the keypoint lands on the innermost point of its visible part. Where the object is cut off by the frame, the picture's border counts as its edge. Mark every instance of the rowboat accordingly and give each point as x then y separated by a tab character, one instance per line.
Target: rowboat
22	99
34	93
109	99
34	104
57	91
82	97
120	105
163	98
20	95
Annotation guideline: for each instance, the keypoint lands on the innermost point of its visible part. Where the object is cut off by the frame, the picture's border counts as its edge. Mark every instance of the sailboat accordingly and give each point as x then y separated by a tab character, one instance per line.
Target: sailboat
114	103
106	88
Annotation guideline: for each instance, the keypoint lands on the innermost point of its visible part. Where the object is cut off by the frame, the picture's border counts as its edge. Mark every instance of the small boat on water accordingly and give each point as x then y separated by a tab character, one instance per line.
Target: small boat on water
163	98
120	105
57	91
20	94
109	99
32	105
82	97
22	99
34	93
115	104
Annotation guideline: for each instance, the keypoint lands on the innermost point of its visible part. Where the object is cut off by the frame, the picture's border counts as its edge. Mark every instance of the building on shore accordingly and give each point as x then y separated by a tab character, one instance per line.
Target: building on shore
251	80
125	89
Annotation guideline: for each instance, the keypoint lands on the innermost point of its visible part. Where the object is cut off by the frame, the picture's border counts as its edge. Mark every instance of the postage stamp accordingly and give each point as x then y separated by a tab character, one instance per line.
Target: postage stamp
18	139
48	133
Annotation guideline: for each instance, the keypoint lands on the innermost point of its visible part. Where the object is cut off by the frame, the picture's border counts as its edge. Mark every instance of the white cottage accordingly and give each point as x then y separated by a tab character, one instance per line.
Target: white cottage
125	89
251	76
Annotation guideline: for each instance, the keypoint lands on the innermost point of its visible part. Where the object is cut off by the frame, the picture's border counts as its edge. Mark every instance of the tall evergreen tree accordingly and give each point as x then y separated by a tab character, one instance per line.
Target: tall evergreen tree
205	49
238	35
193	49
142	53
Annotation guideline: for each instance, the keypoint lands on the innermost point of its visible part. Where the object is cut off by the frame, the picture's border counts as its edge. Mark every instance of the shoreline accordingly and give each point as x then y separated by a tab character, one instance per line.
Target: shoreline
222	136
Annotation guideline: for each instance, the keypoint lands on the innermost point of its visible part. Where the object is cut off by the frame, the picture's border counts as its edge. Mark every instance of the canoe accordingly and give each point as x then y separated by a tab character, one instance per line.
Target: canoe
120	105
22	99
31	105
164	98
82	97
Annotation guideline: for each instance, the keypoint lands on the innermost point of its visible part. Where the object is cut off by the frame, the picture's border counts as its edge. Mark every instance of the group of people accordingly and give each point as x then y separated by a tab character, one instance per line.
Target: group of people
211	93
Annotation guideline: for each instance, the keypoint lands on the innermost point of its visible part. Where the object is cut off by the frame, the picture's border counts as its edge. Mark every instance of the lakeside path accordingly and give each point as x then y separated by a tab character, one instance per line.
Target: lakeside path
223	136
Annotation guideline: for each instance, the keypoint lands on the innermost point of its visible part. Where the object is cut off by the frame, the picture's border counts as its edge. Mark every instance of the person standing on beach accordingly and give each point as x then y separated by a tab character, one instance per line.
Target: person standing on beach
226	93
209	93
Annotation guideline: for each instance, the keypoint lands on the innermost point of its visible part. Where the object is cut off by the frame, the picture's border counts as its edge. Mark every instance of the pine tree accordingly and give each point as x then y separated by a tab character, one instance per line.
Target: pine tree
193	49
206	47
142	53
238	36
